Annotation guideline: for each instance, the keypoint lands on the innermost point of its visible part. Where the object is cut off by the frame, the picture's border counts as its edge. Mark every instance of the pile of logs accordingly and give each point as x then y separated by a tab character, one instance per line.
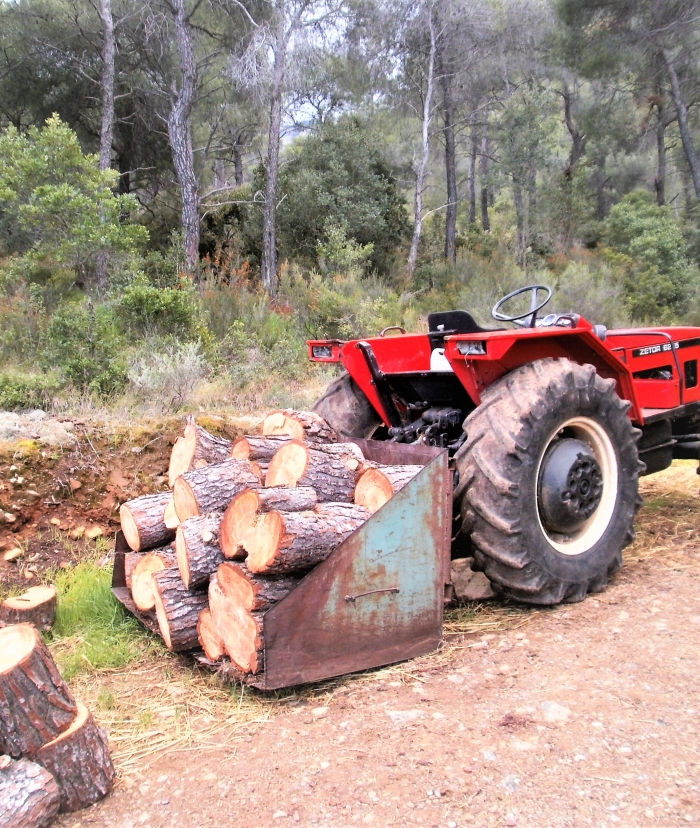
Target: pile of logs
243	523
63	759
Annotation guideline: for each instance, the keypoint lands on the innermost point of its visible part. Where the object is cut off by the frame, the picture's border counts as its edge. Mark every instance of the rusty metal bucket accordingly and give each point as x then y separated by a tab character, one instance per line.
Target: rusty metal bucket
377	599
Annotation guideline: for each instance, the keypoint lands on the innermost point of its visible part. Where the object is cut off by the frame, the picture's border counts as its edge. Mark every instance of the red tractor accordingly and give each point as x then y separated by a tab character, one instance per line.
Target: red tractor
548	425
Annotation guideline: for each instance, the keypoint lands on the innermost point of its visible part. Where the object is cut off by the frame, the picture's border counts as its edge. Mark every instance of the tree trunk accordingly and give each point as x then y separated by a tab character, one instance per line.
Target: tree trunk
291	541
197	549
298	465
682	112
473	154
485	221
422	170
238	163
212	488
660	178
302	425
195	449
35	703
29	795
143	521
107	125
240	517
180	134
376	486
177	610
80	762
521	222
36	606
450	165
142	587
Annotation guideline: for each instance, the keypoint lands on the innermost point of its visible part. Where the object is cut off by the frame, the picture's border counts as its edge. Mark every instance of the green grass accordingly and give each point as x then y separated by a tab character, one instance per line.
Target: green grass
92	630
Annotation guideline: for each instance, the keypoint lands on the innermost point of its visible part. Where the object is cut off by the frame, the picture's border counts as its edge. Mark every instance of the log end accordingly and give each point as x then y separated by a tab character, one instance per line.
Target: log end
129	527
240	450
288	465
237	521
16	643
209	638
185	501
277	423
373	490
182	454
263	542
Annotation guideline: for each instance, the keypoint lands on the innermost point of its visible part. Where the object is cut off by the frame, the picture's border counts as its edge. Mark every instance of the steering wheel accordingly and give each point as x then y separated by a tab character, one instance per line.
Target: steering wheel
531	315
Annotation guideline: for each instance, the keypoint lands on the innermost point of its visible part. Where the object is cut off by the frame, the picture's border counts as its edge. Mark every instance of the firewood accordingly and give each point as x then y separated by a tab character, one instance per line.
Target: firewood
142	589
239	629
170	518
298	465
209	638
257	448
290	541
376	486
35	703
206	490
29	795
253	592
196	449
242	511
130	561
302	425
36	606
143	521
80	762
197	549
177	610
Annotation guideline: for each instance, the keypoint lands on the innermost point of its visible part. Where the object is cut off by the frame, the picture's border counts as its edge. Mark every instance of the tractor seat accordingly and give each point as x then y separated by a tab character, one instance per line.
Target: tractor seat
446	323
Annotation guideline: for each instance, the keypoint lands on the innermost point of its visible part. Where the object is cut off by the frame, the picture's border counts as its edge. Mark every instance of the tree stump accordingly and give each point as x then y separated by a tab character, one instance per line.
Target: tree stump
376	486
29	795
177	610
143	521
290	541
142	589
36	606
35	703
196	449
242	512
212	488
302	425
80	762
209	638
197	549
257	448
298	465
240	630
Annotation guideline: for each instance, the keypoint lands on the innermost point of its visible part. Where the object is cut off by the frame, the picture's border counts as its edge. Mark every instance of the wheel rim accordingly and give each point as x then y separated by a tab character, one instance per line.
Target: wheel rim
594	463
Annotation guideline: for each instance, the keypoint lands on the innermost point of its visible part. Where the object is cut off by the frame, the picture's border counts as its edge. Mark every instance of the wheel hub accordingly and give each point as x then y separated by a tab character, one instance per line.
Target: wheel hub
570	485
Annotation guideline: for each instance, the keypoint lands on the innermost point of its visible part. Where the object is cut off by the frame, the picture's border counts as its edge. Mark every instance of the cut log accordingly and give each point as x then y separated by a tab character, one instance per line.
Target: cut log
36	606
196	449
130	561
253	592
35	703
79	761
142	589
257	448
350	453
29	795
290	541
177	610
143	521
209	638
170	518
240	630
298	465
213	488
302	425
197	549
241	514
376	486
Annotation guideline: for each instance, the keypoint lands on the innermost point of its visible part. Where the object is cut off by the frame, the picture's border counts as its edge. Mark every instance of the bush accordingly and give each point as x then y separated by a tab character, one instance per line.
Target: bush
147	310
166	379
21	391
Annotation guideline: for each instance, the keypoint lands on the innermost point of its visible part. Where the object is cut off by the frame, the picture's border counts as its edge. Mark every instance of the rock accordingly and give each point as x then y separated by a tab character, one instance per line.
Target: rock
401	717
553	712
13	554
94	532
511	783
469	585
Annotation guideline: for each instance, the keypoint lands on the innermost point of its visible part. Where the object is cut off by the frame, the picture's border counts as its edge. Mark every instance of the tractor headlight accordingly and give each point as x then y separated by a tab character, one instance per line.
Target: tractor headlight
472	348
322	351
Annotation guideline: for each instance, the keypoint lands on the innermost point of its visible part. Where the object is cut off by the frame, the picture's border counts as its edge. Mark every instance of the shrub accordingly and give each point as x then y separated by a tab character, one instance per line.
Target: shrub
166	379
20	391
144	309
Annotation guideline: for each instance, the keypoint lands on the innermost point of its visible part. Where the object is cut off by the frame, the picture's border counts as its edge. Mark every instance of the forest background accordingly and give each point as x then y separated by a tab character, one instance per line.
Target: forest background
189	189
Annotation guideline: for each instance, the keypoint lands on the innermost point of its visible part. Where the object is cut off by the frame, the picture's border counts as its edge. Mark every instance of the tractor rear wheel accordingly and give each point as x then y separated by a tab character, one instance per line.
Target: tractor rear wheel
345	406
549	482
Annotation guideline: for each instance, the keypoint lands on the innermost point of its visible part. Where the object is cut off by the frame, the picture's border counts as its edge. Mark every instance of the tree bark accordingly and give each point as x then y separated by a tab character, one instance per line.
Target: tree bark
422	170
376	486
240	517
143	521
683	126
36	606
196	449
197	549
177	610
80	762
257	448
450	163
473	154
286	542
485	220
180	134
29	795
660	178
301	425
212	488
298	465
107	125
35	703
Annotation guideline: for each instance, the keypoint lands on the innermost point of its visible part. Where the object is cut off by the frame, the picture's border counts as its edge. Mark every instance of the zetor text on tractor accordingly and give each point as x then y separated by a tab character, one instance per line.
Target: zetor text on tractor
548	426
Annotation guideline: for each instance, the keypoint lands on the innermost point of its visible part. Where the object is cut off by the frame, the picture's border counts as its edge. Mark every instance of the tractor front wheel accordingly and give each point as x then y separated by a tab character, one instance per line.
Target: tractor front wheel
345	406
549	482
